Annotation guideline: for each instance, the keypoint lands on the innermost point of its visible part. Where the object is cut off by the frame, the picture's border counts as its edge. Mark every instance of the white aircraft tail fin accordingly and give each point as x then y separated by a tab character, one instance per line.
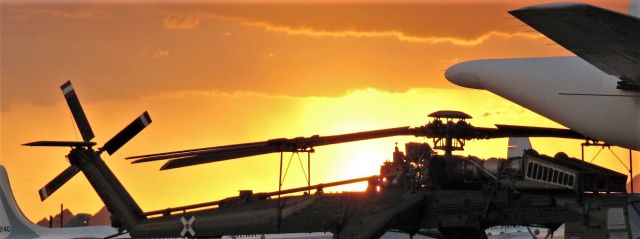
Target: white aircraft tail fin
517	146
13	223
634	8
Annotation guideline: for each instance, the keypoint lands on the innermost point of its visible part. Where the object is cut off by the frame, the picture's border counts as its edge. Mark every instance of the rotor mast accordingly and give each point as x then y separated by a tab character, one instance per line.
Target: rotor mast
450	121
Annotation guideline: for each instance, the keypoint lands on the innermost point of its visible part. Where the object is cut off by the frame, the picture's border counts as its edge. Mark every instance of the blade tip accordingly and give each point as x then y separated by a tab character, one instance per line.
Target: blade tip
145	119
66	88
66	83
167	166
43	194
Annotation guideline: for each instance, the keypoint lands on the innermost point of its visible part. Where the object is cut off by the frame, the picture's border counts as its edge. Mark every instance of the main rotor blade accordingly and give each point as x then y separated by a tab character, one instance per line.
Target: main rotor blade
214	154
61	144
194	152
184	158
127	133
469	132
57	182
529	131
216	157
76	110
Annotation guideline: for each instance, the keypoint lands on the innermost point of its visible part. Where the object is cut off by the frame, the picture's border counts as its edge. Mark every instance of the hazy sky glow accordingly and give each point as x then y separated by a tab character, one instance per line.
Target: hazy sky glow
214	74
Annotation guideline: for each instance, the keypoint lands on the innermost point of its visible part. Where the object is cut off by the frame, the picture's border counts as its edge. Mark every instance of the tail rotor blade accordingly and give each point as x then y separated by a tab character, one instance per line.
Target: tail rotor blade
57	182
127	133
61	144
76	110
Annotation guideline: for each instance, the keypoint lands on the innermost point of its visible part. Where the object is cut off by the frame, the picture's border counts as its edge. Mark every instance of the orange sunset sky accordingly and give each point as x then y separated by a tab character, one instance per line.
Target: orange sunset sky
215	72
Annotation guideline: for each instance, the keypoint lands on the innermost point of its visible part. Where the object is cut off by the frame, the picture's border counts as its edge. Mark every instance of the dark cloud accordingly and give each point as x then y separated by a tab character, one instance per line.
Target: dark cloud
414	20
37	12
430	19
181	22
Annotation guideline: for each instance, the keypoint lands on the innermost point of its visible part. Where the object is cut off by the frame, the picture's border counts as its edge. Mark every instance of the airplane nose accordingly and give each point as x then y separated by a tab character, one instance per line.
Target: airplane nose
464	74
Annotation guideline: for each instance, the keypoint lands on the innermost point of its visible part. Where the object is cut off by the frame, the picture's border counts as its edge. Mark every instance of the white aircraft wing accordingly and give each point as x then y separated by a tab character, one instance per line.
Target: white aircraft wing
607	39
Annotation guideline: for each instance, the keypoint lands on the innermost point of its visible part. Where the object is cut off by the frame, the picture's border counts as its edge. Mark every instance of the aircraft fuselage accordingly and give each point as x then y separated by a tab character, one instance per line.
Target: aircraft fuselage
567	90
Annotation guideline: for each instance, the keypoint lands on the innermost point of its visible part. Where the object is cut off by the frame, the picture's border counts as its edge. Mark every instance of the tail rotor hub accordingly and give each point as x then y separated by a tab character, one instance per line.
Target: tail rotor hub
81	151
